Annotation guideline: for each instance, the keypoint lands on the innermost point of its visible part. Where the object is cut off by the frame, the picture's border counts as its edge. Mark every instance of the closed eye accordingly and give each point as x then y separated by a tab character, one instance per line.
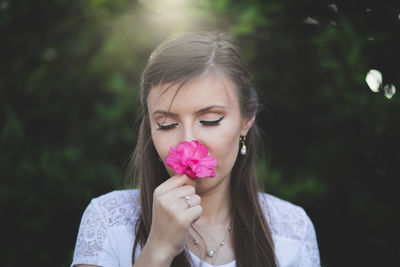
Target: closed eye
206	123
212	122
166	127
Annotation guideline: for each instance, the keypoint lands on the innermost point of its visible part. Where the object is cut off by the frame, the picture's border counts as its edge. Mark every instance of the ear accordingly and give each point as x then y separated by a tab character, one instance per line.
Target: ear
246	125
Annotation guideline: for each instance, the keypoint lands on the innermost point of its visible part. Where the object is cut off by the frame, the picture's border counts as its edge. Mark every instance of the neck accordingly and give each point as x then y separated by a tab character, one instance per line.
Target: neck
215	203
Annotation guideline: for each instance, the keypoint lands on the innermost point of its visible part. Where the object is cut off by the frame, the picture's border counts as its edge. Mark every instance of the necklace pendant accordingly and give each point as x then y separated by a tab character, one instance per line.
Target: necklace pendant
210	253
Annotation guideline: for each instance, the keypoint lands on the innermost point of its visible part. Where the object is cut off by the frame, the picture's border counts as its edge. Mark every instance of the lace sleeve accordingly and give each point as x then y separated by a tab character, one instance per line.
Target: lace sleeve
91	245
309	253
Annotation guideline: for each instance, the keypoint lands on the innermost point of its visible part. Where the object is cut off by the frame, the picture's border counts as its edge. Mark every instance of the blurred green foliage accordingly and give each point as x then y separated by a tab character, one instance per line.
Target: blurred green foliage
69	87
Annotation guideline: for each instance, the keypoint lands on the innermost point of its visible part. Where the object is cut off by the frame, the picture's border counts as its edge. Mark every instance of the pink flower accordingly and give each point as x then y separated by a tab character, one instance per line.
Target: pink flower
191	158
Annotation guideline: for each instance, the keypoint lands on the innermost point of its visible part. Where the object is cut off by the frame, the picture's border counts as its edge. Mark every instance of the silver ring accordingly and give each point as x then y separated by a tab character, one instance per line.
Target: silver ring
187	201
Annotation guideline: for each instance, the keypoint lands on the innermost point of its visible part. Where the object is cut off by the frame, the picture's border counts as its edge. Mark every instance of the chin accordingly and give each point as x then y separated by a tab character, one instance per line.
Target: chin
205	184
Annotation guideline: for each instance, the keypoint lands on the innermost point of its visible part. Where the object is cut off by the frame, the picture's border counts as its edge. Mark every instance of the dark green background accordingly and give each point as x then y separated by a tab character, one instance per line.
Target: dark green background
69	95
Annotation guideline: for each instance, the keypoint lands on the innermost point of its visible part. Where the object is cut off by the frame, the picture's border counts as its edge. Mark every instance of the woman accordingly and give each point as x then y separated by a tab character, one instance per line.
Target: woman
195	88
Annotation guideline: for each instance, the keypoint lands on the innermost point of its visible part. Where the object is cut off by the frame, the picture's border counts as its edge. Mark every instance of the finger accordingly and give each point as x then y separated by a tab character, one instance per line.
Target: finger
181	191
193	200
173	182
174	204
193	214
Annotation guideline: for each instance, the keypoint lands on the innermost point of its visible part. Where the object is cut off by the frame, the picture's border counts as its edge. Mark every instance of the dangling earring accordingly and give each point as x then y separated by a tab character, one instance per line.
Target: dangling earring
243	149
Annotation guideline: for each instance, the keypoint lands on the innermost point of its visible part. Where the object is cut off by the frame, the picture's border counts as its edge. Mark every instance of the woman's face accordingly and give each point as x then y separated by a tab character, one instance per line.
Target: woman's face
204	109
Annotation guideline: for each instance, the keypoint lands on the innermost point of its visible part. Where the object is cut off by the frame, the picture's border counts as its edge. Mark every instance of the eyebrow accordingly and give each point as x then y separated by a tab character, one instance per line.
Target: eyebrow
163	112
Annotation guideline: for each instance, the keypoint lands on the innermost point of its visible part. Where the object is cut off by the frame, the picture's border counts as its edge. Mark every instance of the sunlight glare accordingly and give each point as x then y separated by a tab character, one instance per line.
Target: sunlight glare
162	5
169	14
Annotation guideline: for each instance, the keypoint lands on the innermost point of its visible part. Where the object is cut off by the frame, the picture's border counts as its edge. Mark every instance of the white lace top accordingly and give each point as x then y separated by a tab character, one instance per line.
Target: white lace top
106	233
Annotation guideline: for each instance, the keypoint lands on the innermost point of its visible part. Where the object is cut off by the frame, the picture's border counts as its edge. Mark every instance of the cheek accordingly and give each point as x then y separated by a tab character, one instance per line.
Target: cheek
161	145
229	153
225	149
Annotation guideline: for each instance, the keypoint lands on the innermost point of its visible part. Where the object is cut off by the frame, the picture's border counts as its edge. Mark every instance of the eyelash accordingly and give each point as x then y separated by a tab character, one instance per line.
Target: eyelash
166	127
212	122
205	123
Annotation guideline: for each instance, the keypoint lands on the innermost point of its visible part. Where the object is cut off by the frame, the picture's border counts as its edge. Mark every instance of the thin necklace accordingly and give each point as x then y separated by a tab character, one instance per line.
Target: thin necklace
210	253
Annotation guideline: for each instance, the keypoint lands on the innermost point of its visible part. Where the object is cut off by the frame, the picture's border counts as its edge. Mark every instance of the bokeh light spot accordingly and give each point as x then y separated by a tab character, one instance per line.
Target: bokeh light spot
389	90
374	80
50	54
333	7
4	5
311	21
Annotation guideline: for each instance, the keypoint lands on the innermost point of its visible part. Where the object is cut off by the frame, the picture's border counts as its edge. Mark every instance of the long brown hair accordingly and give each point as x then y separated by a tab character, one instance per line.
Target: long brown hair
179	59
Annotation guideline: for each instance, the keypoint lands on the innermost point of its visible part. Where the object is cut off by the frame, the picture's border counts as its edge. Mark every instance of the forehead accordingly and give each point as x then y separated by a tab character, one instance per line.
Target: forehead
193	95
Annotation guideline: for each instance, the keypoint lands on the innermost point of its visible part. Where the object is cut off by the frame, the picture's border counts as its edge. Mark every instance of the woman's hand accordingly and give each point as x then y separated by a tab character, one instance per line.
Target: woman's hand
172	216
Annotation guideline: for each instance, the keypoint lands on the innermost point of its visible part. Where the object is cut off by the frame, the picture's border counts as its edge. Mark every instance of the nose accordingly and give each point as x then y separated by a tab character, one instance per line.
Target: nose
188	133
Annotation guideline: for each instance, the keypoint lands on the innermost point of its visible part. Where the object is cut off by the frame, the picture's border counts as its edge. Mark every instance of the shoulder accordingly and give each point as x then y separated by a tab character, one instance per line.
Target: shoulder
119	207
292	231
285	218
104	215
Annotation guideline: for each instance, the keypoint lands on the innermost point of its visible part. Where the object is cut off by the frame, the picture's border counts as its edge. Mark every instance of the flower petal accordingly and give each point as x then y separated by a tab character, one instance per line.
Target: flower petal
203	172
191	173
201	150
192	159
208	162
